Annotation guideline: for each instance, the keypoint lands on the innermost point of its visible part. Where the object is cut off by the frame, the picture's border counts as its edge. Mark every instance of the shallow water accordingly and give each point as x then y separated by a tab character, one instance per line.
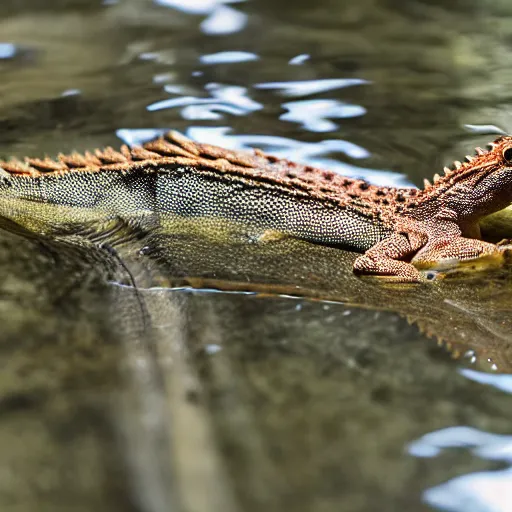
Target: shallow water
122	389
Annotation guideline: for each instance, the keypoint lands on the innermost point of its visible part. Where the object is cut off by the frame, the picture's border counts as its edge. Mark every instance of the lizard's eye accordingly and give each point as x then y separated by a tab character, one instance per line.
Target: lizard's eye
507	155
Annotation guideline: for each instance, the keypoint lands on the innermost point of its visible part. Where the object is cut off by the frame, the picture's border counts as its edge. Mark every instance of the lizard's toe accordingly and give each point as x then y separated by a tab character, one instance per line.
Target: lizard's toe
387	269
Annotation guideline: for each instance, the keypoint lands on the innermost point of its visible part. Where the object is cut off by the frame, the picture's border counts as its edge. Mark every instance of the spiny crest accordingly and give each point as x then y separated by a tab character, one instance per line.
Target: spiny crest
172	145
177	150
498	154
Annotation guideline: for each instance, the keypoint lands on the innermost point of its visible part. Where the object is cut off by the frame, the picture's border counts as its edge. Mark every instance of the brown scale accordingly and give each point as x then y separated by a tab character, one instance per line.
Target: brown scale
110	156
77	161
46	165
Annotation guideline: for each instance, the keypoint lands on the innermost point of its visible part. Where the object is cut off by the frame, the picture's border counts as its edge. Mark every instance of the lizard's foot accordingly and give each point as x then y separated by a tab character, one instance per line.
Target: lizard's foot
465	256
389	270
385	260
450	253
392	271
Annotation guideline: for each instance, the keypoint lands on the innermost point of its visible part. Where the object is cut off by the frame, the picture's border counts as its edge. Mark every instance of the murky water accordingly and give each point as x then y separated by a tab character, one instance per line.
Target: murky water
123	389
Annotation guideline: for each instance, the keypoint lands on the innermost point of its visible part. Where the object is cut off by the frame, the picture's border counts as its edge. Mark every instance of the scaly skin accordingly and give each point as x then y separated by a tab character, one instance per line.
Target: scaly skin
398	229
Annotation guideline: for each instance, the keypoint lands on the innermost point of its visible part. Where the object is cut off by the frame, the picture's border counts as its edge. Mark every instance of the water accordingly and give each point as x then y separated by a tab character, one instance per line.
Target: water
122	389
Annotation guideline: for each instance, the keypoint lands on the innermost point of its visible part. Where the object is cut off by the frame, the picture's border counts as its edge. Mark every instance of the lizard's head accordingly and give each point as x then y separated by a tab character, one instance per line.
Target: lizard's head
480	185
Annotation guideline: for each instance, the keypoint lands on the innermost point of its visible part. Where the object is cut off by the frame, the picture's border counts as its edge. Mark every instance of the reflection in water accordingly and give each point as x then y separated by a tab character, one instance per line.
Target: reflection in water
7	50
212	348
486	129
134	137
307	87
263	389
312	114
501	382
221	19
224	20
225	100
479	492
221	255
299	59
485	491
315	115
228	57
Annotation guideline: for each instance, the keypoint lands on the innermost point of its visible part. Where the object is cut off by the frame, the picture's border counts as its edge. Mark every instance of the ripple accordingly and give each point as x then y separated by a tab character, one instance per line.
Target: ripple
221	19
212	349
478	492
7	51
485	129
502	382
135	137
307	87
225	99
228	57
315	115
299	59
71	92
484	491
224	20
432	444
196	6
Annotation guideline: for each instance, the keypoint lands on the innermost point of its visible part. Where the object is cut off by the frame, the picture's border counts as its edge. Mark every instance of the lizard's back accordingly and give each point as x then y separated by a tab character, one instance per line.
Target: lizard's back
175	176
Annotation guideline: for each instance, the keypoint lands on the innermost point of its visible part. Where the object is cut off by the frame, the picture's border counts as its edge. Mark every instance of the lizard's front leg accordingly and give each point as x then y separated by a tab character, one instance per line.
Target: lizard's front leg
385	259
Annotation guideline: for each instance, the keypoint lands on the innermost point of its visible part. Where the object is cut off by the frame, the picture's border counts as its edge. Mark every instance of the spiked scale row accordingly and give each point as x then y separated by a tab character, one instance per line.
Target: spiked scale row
472	162
174	148
172	145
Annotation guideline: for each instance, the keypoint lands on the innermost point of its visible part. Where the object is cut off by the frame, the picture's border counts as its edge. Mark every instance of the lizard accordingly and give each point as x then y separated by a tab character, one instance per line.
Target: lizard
397	230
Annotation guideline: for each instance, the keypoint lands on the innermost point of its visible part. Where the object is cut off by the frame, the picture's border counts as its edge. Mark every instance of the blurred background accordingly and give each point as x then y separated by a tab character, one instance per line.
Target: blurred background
373	84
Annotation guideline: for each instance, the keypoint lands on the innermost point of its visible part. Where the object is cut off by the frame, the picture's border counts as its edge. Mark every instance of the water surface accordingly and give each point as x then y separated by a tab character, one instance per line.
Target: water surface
123	389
